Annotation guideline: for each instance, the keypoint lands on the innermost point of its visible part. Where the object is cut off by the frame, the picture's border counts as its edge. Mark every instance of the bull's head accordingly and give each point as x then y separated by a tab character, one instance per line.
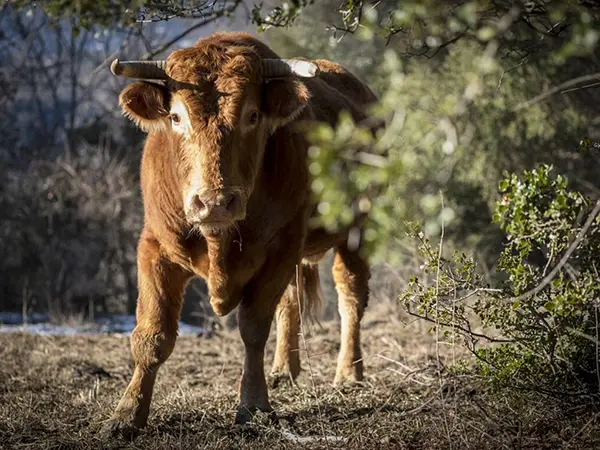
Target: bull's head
216	105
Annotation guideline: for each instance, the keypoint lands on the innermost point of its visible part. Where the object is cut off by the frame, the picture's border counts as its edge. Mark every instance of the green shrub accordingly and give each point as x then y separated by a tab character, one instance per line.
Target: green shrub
538	328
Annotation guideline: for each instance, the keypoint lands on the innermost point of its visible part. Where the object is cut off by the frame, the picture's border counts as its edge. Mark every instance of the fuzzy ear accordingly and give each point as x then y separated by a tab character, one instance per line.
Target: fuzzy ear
284	101
146	104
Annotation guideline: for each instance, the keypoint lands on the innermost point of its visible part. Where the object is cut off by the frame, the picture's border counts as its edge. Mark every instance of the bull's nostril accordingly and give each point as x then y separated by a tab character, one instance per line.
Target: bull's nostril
230	202
213	206
200	205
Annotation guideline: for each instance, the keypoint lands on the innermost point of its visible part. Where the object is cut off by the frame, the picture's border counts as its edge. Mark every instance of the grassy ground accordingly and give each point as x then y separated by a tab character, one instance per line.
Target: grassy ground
56	392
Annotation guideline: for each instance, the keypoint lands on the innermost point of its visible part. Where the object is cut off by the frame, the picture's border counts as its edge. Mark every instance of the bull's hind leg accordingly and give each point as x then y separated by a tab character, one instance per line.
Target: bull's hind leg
286	364
351	275
290	310
161	284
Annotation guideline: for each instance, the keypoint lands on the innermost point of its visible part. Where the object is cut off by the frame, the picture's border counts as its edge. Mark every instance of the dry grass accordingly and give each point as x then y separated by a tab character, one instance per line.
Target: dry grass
54	395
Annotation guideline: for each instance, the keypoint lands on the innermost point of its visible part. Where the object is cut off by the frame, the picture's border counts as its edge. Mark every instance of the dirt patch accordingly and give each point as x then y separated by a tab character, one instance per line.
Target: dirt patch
56	392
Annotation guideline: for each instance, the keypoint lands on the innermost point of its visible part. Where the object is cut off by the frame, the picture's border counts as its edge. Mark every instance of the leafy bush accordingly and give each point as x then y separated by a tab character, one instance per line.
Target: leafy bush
455	82
542	317
445	130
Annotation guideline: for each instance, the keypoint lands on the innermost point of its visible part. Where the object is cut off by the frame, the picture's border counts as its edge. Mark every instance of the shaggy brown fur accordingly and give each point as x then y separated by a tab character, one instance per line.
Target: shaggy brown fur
226	197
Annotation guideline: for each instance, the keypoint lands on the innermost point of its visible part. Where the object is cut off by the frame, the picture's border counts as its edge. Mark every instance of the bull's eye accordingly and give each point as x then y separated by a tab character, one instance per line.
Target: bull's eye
253	118
175	118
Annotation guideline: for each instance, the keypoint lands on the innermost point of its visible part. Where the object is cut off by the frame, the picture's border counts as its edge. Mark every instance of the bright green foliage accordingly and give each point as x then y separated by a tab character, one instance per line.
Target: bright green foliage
453	125
545	326
450	130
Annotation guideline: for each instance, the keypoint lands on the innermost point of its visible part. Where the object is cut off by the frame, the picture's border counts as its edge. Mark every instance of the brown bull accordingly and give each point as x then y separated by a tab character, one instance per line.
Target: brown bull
226	196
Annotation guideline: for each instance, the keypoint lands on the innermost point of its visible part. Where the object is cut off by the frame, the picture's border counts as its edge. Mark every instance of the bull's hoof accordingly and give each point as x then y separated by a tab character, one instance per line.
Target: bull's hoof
128	418
349	386
351	377
252	414
280	379
121	429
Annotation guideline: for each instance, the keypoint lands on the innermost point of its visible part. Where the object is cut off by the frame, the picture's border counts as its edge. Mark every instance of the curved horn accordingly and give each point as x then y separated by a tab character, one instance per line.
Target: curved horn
277	68
148	70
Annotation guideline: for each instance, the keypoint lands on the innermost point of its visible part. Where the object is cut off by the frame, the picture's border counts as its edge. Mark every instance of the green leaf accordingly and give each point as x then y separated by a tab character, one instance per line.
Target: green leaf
550	306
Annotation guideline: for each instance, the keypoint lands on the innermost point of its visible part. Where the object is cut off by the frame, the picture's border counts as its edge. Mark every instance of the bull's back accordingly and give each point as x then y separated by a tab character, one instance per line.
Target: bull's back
335	89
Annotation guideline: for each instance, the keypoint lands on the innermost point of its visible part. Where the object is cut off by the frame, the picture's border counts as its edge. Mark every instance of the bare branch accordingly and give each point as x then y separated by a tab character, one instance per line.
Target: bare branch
206	20
556	89
466	331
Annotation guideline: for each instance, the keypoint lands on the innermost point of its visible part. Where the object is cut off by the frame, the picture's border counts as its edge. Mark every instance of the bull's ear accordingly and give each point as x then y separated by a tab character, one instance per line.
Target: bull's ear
147	105
284	100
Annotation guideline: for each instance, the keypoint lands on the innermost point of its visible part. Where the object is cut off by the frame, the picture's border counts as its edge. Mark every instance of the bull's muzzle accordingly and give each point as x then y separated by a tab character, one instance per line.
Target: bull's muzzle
215	209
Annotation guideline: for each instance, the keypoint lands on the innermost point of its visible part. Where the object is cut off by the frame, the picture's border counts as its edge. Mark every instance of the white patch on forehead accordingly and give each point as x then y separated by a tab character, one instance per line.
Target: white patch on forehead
184	127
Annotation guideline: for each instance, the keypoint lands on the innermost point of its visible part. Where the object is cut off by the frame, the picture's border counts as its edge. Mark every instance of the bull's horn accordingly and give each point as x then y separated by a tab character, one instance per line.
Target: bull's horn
147	70
276	68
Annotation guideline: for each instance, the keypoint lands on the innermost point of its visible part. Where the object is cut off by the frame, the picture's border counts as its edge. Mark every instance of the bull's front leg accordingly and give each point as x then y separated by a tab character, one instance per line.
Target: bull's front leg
225	291
255	315
161	284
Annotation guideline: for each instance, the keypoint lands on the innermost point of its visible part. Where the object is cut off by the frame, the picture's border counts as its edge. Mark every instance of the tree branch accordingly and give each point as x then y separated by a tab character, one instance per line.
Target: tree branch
466	331
213	17
556	89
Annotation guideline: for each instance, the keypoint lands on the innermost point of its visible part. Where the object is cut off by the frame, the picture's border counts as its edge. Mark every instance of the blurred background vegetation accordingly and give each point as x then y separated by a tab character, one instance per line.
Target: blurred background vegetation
470	90
483	239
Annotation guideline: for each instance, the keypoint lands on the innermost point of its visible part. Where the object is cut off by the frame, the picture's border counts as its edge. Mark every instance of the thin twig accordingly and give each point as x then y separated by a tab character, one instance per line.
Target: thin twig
300	295
556	89
509	70
587	86
411	371
597	342
582	428
460	328
437	327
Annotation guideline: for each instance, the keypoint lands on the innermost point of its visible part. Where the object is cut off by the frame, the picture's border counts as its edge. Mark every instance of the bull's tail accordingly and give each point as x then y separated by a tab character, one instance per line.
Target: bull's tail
309	290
